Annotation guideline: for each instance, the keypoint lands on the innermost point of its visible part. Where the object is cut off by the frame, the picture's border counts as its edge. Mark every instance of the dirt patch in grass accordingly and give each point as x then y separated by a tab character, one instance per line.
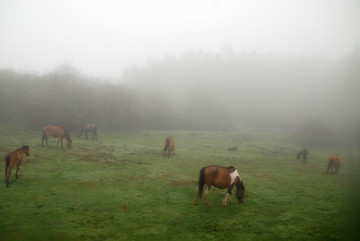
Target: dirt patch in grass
143	163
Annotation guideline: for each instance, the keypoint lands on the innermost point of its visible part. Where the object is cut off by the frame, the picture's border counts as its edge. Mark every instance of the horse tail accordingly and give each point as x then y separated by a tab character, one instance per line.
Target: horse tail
43	137
331	161
167	144
82	130
201	181
7	163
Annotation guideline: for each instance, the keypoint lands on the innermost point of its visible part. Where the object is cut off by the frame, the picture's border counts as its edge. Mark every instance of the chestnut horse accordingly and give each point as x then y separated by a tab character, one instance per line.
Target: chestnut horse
334	163
220	177
56	131
14	158
169	146
89	128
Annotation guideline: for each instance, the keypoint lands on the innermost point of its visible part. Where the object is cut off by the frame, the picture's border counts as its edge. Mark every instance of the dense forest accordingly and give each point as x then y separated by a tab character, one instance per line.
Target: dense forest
198	90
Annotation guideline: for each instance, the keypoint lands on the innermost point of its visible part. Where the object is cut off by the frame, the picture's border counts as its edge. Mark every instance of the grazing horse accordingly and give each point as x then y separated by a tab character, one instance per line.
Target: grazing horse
56	131
334	163
169	146
89	128
220	177
14	158
304	153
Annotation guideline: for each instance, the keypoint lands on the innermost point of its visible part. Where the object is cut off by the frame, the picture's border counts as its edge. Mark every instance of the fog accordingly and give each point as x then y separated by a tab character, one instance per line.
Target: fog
210	65
103	38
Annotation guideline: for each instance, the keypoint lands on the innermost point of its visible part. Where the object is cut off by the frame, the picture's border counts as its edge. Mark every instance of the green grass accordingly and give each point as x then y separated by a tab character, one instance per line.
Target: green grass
120	188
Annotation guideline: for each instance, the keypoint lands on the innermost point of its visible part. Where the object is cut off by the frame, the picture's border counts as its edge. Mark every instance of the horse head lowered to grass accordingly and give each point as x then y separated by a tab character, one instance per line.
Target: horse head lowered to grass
56	131
220	177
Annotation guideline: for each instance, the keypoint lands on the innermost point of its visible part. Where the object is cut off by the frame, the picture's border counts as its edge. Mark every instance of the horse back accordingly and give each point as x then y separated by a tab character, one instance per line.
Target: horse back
335	159
90	127
217	176
54	131
14	157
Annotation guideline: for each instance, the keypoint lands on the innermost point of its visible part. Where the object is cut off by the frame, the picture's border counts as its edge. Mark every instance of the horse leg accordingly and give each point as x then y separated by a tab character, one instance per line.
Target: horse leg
196	196
86	135
228	195
8	174
328	168
226	198
206	195
17	169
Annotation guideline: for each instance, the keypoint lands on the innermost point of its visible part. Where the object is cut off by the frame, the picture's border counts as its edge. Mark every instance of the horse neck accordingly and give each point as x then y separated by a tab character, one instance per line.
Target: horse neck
67	137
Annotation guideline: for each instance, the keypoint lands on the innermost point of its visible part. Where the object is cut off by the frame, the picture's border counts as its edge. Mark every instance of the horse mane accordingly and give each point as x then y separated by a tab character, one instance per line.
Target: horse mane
23	147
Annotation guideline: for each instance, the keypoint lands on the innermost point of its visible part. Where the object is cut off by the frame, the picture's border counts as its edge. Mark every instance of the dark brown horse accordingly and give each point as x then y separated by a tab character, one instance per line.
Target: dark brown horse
14	158
56	131
169	147
220	177
304	153
89	128
334	163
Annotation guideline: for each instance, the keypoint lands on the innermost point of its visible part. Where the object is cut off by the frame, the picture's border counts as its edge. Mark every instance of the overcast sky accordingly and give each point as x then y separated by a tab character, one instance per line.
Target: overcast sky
102	37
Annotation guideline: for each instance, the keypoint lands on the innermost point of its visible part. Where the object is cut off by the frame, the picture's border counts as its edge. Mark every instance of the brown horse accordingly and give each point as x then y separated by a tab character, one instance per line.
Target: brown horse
304	153
333	163
89	128
56	131
14	158
220	177
169	146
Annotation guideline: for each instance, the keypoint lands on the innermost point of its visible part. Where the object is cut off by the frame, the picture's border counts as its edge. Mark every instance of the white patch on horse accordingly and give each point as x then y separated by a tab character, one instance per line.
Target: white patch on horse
233	175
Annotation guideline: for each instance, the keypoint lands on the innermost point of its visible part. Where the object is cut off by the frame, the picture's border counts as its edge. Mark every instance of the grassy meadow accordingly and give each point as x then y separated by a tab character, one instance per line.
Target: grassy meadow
120	188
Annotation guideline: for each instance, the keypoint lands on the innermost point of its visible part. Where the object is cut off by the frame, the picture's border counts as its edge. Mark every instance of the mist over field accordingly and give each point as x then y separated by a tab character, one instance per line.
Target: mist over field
211	65
199	90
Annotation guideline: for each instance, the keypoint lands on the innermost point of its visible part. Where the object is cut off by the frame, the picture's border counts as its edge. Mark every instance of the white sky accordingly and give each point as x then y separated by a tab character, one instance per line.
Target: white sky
102	37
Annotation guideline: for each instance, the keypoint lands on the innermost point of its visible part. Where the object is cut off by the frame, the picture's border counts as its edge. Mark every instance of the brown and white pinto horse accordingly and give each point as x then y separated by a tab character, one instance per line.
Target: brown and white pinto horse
334	163
89	128
14	158
169	146
56	131
220	177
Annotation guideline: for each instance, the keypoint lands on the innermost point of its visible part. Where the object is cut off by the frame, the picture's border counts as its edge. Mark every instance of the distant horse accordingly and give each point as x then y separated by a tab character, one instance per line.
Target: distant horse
169	146
234	148
14	158
89	128
334	163
304	153
220	177
56	131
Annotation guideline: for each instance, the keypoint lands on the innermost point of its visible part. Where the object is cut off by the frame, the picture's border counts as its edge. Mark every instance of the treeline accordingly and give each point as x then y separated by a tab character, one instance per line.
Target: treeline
64	97
198	90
